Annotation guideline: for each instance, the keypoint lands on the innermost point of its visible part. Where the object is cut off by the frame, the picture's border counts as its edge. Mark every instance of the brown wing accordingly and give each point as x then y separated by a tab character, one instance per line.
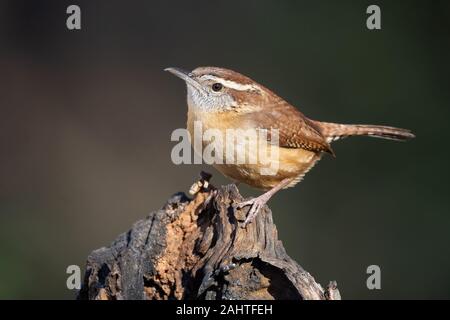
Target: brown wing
295	130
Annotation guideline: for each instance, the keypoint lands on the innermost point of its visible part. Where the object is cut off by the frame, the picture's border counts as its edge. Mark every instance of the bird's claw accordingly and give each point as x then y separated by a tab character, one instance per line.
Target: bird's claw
256	205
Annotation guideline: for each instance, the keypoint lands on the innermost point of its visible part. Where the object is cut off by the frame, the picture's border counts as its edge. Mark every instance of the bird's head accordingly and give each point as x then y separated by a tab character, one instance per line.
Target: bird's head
214	89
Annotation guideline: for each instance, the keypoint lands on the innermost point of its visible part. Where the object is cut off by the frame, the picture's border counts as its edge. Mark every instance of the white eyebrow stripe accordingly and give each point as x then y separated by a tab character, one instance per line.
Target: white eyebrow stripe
231	84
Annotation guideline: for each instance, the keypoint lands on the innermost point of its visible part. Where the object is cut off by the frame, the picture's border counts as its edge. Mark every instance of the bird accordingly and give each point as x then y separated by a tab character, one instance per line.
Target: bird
222	99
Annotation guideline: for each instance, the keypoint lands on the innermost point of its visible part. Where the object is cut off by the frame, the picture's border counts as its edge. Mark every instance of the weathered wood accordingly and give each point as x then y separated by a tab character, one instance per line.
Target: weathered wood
197	249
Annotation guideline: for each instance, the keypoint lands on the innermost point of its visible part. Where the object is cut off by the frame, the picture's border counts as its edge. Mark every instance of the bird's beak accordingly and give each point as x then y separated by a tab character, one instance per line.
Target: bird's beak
186	76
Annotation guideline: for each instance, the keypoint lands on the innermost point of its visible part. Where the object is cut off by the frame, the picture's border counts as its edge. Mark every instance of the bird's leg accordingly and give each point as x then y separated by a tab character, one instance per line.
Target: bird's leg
257	203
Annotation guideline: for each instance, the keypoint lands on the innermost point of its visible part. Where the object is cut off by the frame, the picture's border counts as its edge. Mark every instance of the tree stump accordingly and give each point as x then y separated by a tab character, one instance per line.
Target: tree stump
197	249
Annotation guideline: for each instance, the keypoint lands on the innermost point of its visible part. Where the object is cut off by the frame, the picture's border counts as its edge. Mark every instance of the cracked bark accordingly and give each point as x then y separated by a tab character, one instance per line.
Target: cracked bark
196	249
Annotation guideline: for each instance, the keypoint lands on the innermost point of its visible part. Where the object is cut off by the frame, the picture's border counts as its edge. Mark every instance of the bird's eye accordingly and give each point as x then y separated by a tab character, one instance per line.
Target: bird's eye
217	86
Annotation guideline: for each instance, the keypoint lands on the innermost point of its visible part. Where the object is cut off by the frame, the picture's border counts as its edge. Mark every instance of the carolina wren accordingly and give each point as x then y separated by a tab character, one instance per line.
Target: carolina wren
223	99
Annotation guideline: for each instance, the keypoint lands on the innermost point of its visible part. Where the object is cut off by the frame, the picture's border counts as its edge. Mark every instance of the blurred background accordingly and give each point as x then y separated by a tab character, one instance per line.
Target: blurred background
86	118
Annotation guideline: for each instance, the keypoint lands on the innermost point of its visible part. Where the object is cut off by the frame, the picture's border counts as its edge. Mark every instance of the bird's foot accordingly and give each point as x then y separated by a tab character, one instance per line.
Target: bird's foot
256	204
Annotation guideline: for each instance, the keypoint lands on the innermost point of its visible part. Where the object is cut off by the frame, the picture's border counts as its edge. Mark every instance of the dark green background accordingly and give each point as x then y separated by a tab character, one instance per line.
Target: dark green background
86	118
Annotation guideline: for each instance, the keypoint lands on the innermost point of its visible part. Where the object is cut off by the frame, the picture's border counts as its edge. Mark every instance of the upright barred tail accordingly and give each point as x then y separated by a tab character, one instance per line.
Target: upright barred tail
334	131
